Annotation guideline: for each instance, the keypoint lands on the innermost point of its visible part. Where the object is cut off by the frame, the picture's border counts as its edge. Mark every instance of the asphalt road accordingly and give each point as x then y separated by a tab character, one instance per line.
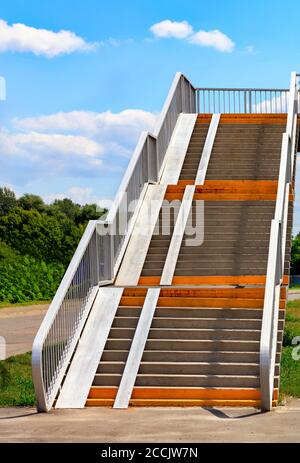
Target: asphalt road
18	326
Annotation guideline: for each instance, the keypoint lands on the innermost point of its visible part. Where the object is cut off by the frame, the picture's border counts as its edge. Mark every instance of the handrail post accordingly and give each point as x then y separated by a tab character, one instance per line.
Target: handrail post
245	101
250	102
292	103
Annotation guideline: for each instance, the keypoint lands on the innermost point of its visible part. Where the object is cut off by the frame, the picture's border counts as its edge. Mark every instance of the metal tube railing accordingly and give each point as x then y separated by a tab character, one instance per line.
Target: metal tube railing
276	256
100	251
242	100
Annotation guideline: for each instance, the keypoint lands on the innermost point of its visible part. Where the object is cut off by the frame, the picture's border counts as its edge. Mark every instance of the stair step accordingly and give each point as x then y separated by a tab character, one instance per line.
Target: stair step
194	334
211	272
114	356
169	380
111	367
188	345
201	312
180	396
199	368
211	323
204	312
186	356
197	380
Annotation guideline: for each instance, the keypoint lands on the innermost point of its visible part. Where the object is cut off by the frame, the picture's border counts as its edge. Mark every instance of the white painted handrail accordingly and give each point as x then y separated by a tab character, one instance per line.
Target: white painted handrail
99	252
276	256
207	149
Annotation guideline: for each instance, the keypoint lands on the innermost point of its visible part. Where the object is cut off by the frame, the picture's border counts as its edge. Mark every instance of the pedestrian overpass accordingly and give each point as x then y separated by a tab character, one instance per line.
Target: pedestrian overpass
178	297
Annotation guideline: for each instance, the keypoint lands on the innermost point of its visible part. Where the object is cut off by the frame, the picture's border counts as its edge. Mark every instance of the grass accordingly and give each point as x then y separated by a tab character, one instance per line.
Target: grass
21	304
16	386
290	368
290	373
292	322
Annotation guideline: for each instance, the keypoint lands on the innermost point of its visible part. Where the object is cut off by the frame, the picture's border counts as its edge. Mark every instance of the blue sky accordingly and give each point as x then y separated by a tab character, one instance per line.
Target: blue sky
77	102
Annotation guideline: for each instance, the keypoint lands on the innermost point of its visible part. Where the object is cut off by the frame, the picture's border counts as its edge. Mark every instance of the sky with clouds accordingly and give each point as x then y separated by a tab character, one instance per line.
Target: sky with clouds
84	78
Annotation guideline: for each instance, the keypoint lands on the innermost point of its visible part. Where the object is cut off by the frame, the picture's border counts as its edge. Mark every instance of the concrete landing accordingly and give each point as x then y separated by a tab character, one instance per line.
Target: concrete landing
152	425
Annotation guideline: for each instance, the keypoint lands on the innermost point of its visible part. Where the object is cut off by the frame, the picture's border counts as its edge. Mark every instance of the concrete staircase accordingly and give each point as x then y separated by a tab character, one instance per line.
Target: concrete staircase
246	151
202	348
204	342
236	240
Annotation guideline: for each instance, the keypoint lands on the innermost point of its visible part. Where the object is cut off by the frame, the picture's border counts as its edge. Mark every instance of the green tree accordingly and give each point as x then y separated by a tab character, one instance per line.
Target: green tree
295	255
24	278
8	200
29	202
37	242
49	238
89	212
67	207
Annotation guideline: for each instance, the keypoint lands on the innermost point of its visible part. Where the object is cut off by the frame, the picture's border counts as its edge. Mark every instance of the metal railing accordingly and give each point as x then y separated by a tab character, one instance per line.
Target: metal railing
242	100
276	256
100	251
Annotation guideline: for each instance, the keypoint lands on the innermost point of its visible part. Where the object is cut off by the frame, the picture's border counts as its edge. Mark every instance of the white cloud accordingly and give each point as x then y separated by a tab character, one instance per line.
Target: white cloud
2	89
167	28
76	145
34	142
89	121
276	104
183	30
215	39
21	38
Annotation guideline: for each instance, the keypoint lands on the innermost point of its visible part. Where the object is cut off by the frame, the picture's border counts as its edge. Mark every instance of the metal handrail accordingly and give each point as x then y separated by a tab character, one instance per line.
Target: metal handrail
276	255
100	251
242	100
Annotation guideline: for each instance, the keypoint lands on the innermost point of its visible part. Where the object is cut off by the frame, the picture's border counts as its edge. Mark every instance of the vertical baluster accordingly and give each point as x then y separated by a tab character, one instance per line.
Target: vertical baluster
54	349
281	102
58	316
256	101
51	357
44	365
